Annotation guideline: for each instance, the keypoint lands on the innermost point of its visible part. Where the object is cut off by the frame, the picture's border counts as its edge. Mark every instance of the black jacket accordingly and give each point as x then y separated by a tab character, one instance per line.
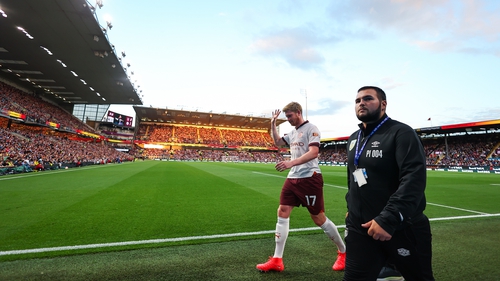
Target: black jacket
394	160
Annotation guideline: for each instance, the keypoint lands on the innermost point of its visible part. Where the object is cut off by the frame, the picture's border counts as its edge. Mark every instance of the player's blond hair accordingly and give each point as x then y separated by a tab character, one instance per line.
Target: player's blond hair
293	107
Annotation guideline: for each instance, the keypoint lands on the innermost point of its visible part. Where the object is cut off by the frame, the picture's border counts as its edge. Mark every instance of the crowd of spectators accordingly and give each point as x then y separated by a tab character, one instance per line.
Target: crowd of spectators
462	151
185	134
233	138
473	150
25	148
336	155
209	136
38	110
469	150
158	133
34	148
214	155
32	145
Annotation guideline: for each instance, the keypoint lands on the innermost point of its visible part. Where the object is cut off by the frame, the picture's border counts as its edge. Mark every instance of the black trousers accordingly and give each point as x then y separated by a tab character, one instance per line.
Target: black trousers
409	249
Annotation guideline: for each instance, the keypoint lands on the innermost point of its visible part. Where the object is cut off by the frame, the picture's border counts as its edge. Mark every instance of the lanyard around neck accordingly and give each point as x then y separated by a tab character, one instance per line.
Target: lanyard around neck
358	151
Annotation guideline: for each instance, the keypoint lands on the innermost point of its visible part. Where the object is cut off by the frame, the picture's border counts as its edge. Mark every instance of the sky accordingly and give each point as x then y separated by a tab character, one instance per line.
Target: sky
437	61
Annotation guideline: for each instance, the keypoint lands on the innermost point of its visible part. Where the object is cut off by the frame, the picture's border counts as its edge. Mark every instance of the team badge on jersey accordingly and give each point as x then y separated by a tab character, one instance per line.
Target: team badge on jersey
352	144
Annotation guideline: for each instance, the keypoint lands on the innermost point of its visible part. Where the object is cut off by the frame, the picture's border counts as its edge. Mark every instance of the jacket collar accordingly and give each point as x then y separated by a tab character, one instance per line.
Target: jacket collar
371	126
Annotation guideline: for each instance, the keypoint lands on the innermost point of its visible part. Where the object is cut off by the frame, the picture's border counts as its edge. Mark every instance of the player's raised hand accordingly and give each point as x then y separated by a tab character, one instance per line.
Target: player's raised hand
276	114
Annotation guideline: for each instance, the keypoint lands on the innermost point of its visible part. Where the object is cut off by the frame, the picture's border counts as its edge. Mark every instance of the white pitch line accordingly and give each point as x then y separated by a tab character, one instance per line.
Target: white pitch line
455	208
464	217
269	175
142	242
191	238
337	186
433	204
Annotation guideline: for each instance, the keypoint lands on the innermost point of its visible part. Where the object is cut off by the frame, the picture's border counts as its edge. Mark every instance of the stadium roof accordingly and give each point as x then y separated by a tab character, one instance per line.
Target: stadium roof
58	49
471	127
180	117
480	126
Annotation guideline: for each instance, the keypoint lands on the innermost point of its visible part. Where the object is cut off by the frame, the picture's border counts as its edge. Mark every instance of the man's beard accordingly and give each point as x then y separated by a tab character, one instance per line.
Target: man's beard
371	116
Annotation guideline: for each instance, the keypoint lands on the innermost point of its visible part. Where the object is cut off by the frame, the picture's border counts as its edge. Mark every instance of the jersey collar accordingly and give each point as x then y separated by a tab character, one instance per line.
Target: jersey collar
305	122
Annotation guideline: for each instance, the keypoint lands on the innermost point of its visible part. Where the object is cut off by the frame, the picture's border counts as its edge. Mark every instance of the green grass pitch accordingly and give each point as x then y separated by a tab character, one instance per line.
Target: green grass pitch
156	220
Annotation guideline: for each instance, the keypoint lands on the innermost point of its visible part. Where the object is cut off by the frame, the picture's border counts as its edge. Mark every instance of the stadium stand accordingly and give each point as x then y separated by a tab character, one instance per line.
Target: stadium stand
30	144
469	150
204	143
38	111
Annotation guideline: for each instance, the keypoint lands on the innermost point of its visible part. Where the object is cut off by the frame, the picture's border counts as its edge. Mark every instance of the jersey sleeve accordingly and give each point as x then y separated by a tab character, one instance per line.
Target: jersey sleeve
314	136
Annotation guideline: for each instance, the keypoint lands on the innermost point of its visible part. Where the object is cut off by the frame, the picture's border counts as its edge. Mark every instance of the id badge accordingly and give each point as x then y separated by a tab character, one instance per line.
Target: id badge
360	176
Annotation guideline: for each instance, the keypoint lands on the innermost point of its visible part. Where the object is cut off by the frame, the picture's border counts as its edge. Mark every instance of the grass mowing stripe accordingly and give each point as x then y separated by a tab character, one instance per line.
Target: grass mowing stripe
37	212
151	200
191	238
147	201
